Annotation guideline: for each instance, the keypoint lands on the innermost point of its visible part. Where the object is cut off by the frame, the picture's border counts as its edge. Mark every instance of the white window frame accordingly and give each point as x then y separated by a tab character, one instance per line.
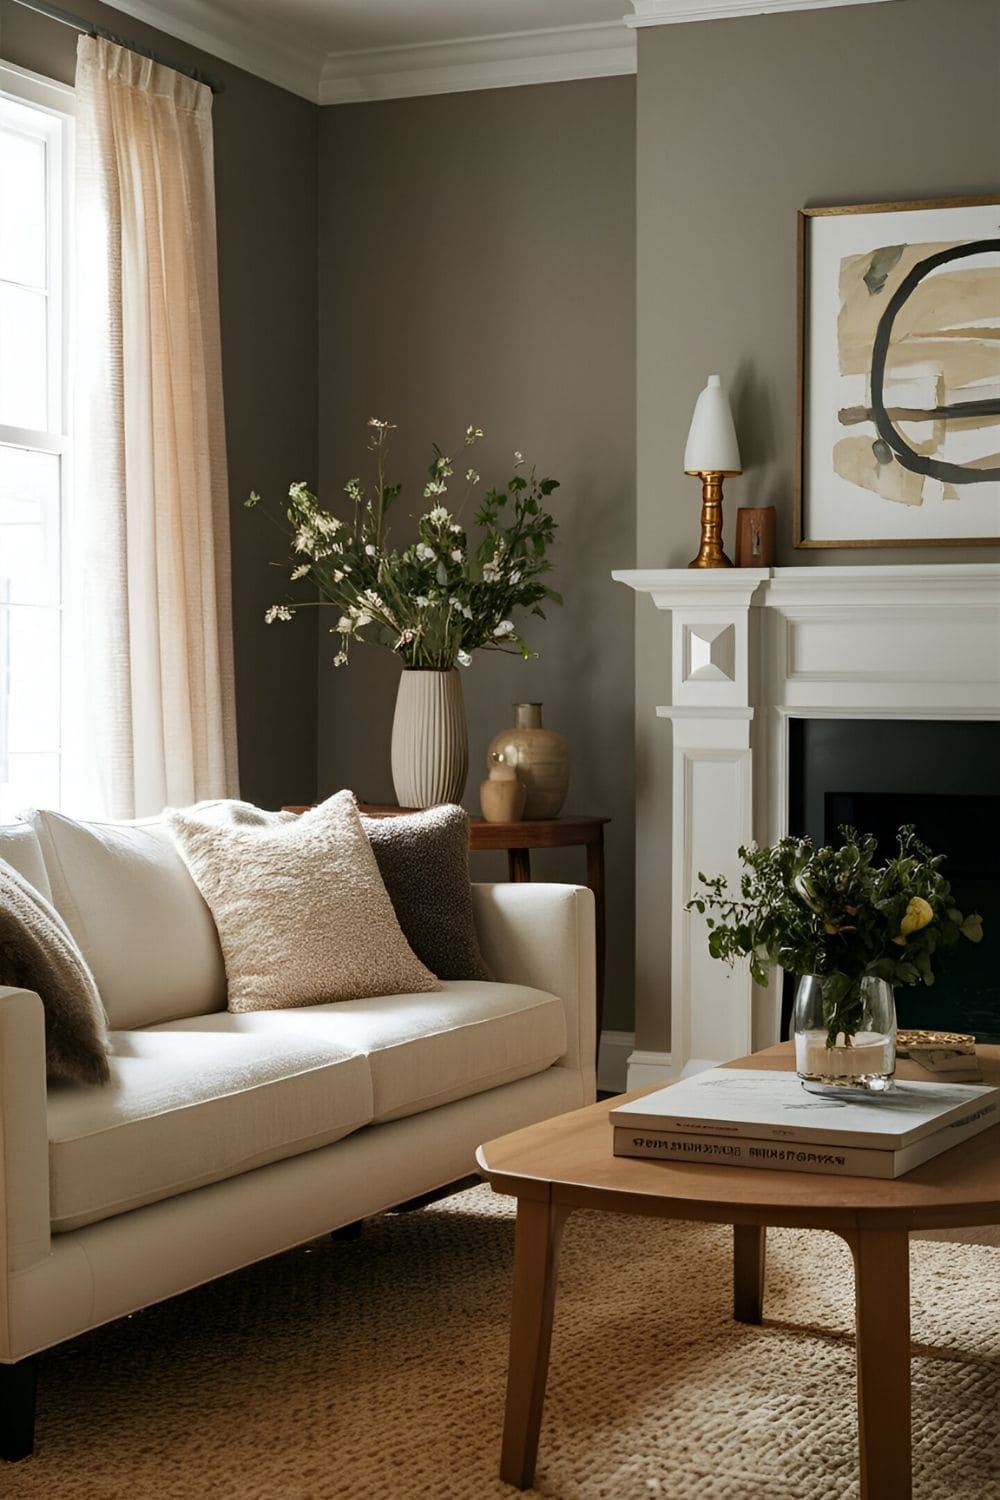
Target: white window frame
59	101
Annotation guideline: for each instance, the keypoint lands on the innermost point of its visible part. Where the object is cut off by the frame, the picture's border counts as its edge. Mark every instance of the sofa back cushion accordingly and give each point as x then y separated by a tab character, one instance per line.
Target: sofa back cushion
126	896
19	846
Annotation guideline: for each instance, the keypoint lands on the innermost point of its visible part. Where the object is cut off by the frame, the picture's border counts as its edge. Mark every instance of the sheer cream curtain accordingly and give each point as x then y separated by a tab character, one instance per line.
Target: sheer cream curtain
152	720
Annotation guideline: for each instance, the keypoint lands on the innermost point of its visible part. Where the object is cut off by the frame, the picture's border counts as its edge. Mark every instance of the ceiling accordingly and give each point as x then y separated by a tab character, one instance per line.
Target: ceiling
346	51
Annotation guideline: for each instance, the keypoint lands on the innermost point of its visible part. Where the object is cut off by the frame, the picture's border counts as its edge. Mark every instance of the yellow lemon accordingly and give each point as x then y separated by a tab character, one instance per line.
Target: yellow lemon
918	913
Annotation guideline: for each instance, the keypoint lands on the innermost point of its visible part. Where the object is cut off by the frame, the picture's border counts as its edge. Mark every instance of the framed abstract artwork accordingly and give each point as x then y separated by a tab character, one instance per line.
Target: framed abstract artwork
899	375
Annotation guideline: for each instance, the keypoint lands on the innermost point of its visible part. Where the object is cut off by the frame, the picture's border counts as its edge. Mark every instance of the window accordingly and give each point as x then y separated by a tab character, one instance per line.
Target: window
35	140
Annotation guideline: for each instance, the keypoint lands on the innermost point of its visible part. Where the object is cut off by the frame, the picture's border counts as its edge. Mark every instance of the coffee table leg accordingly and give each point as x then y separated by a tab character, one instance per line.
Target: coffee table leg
882	1314
536	1267
749	1247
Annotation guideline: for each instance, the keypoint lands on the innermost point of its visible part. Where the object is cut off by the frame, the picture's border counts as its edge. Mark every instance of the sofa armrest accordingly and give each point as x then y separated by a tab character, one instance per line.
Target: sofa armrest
24	1149
542	935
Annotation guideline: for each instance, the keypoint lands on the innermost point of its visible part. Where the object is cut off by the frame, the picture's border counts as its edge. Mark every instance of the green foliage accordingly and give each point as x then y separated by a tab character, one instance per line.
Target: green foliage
445	595
834	912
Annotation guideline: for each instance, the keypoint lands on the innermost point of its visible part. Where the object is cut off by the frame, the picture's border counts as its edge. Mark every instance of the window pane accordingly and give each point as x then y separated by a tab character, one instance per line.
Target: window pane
22	208
29	680
27	781
23	361
29	527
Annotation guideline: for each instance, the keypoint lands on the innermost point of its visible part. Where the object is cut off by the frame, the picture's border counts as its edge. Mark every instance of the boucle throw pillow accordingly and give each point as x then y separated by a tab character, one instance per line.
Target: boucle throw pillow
423	858
38	952
302	913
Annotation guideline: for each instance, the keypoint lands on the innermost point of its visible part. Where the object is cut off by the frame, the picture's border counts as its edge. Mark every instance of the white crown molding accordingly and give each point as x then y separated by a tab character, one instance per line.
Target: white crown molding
676	12
487	62
274	56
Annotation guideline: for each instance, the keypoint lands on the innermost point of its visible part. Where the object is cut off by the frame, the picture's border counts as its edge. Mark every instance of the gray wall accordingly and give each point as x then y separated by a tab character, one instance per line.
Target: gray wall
265	152
477	266
739	124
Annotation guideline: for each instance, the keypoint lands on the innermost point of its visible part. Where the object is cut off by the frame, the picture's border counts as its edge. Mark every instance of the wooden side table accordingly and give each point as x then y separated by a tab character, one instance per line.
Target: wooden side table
539	833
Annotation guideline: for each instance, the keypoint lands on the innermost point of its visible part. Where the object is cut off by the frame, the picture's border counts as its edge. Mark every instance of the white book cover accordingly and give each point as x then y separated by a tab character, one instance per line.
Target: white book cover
774	1106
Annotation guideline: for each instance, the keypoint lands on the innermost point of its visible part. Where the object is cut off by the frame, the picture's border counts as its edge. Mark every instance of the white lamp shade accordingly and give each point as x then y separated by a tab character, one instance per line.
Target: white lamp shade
711	444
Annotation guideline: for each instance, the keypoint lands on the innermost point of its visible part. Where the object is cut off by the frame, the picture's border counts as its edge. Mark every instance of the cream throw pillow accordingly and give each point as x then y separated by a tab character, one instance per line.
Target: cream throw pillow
302	912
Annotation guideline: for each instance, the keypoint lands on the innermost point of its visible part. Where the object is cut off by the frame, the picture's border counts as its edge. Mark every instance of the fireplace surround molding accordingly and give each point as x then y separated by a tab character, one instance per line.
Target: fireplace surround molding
746	650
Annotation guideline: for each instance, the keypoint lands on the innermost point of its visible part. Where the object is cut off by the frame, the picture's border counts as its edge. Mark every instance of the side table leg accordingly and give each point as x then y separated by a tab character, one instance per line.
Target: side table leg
749	1250
882	1320
536	1267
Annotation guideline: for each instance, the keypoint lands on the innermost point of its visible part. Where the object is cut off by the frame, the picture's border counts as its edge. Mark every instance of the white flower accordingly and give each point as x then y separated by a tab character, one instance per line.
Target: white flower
471	433
369	550
439	516
491	572
361	618
278	612
300	571
305	539
471	477
434	487
344	625
457	554
340	660
455	528
515	577
382	425
425	553
465	610
405	637
506	627
353	488
421	601
338	574
464	658
518	458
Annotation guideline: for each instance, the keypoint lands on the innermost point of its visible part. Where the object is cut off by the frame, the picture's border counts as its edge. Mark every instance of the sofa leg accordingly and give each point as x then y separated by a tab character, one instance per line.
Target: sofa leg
18	1388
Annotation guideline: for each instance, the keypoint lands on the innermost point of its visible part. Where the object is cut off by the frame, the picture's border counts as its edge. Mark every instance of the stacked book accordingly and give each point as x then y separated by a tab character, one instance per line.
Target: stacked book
743	1117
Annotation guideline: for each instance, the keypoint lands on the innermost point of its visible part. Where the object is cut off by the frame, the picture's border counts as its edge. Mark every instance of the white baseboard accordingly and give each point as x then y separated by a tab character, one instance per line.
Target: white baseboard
612	1061
650	1067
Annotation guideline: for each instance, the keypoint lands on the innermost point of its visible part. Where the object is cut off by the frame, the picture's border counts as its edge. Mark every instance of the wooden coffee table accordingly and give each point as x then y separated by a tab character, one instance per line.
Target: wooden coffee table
566	1163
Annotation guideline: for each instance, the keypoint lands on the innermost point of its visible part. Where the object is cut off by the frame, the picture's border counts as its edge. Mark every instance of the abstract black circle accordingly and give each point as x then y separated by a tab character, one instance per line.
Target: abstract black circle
920	463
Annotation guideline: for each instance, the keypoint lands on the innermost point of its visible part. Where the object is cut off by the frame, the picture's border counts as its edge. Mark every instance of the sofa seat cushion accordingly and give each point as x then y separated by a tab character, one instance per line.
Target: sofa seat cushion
188	1106
427	1049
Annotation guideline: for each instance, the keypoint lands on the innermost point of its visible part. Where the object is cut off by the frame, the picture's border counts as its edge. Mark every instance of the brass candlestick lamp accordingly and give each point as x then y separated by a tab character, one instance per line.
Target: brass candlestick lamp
713	453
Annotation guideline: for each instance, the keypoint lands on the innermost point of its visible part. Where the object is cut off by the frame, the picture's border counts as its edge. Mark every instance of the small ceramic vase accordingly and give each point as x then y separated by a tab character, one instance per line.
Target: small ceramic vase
501	795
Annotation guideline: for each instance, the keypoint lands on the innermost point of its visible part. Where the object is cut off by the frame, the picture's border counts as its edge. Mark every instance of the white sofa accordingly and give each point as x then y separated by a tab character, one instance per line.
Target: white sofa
225	1138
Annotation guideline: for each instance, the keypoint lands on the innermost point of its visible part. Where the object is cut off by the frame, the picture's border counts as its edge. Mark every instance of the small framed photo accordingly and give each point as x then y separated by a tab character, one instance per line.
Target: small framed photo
899	375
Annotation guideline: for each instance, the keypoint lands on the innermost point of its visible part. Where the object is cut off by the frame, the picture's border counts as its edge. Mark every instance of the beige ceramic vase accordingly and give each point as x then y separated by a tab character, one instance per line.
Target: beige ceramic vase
539	758
501	795
430	742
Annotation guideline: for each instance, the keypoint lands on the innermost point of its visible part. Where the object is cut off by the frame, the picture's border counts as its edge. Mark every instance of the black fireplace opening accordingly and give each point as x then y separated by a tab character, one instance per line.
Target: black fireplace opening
943	776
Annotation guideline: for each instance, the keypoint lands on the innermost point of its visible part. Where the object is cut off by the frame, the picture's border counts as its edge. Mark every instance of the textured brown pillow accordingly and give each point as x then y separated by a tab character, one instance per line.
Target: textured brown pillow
302	914
38	952
423	857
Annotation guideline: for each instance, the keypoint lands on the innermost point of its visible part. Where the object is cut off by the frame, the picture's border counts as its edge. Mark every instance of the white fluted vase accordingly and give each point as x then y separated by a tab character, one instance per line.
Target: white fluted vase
430	741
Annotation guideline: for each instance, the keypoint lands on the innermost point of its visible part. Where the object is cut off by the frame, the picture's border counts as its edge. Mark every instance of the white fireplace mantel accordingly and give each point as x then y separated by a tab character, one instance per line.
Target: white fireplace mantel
749	649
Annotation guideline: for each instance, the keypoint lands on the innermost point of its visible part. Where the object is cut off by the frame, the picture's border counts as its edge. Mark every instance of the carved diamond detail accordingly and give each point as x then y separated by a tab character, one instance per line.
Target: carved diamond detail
710	653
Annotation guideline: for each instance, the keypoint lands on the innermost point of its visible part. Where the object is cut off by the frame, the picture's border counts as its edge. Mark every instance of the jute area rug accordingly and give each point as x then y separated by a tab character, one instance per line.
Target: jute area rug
375	1368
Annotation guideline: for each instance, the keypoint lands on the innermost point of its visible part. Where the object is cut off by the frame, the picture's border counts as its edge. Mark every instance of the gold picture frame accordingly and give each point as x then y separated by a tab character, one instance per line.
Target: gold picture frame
898	420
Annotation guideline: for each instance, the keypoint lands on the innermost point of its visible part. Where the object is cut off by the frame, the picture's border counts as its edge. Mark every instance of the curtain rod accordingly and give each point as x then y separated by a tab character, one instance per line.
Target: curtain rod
90	28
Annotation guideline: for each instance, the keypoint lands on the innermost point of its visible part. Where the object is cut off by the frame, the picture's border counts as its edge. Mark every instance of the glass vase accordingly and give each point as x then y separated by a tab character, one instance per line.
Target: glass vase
860	1061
